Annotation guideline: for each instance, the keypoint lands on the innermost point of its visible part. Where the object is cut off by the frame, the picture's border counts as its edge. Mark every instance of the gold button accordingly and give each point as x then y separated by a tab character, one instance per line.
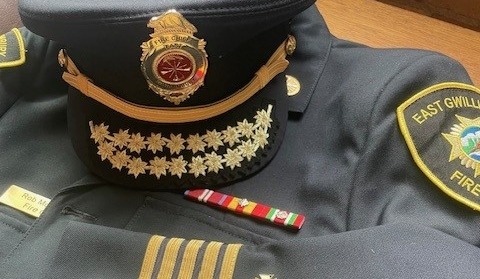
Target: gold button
293	86
291	45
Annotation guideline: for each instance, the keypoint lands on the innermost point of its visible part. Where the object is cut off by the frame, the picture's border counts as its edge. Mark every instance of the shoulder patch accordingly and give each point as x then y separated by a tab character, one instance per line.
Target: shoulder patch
12	49
441	126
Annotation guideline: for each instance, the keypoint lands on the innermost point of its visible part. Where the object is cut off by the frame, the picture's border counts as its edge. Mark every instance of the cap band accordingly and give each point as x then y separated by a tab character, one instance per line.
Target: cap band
275	65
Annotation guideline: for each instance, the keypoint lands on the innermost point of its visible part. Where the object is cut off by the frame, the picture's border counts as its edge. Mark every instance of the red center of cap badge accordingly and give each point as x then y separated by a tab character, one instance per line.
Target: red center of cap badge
174	62
175	67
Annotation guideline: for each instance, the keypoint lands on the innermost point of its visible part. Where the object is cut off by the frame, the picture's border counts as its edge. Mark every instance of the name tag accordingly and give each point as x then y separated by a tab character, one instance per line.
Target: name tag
24	201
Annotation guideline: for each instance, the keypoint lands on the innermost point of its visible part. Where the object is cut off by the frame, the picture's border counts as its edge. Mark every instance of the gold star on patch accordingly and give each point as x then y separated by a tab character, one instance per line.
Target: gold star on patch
465	141
261	138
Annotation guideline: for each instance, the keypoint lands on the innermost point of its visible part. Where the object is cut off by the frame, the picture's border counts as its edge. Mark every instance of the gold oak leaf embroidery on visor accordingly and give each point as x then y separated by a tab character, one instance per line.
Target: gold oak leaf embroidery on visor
123	149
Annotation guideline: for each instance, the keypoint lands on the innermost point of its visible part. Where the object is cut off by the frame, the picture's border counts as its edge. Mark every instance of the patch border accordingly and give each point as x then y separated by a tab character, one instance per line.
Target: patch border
411	146
21	46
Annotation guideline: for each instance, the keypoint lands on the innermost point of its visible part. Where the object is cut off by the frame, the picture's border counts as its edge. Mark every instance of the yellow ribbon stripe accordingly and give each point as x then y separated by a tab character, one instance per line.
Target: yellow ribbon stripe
233	204
249	208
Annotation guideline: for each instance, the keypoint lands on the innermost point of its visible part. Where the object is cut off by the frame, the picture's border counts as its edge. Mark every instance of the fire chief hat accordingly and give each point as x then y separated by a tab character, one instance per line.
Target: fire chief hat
172	94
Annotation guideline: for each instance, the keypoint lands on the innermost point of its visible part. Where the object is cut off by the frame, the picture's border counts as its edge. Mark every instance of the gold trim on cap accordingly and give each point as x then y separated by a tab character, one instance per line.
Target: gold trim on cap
276	65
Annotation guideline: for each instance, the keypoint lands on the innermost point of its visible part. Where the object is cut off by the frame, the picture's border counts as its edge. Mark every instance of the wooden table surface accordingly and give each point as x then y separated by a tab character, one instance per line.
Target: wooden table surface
380	25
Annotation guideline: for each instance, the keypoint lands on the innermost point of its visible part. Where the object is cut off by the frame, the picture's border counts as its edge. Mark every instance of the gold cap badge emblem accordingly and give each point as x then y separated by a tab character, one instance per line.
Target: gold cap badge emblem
174	62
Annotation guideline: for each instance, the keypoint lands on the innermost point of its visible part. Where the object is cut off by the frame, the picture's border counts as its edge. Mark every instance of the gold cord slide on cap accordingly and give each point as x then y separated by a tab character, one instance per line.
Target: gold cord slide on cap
275	65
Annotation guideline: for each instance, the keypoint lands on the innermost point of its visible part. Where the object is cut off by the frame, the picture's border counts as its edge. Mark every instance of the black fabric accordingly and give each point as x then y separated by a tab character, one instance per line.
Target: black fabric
117	69
111	17
82	110
108	52
105	40
370	212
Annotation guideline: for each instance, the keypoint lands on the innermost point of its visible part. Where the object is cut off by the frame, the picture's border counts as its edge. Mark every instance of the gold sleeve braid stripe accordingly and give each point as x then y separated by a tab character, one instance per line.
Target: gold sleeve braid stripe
169	258
275	65
151	256
182	259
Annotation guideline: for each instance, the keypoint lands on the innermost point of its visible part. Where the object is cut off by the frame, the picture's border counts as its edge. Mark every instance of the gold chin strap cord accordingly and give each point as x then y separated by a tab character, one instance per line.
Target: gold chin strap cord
275	65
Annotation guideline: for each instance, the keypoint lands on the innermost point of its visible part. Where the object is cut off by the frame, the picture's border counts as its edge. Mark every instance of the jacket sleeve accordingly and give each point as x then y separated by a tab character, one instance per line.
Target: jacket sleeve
388	186
391	251
28	66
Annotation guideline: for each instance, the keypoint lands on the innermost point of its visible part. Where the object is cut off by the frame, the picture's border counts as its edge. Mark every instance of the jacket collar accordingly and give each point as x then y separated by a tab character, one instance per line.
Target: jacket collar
313	48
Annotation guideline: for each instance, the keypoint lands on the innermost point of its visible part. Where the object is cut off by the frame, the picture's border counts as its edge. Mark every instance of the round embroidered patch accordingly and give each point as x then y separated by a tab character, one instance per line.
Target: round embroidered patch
12	49
441	126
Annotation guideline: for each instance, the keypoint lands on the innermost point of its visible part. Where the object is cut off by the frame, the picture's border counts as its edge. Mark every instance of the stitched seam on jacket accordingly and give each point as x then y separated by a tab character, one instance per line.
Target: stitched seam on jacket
369	132
169	211
320	71
39	220
12	227
10	107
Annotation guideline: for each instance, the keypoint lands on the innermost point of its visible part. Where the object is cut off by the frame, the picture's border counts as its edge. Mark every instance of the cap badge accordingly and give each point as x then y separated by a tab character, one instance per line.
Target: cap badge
174	62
